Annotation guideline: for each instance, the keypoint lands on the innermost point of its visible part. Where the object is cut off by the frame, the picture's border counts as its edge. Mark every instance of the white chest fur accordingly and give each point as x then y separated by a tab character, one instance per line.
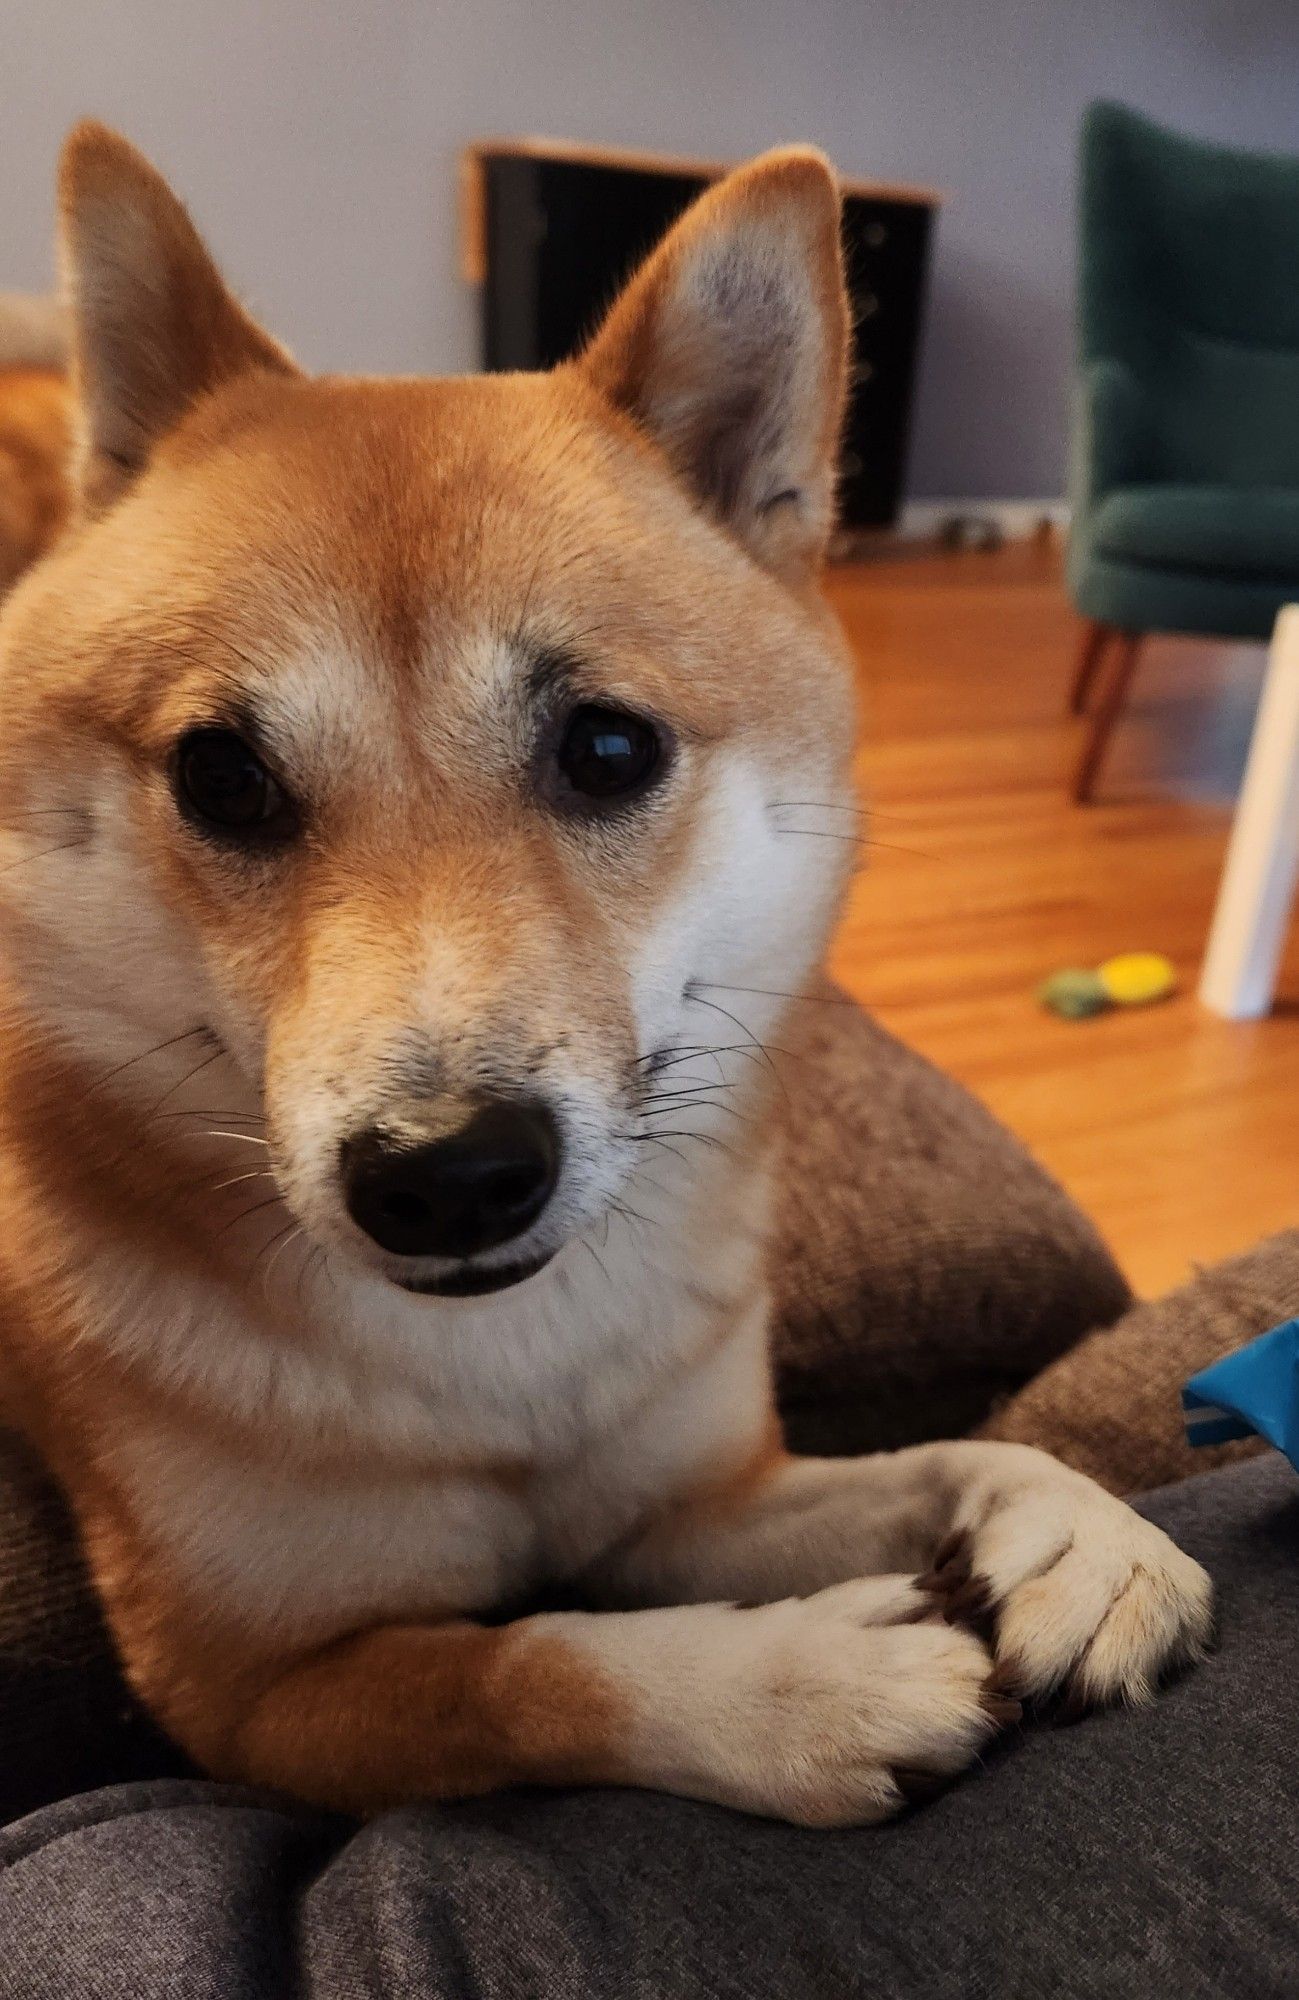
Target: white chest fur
397	1461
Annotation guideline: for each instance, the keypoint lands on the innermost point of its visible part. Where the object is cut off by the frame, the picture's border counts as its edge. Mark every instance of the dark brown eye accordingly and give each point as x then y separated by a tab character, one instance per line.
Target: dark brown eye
606	753
223	786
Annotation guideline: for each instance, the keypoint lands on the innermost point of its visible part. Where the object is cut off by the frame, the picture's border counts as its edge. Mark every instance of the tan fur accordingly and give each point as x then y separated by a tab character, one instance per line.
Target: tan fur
35	439
300	1485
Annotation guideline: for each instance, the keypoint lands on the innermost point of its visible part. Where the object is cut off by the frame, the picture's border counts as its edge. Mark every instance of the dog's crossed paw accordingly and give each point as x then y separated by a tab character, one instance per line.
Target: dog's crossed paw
1075	1594
847	1705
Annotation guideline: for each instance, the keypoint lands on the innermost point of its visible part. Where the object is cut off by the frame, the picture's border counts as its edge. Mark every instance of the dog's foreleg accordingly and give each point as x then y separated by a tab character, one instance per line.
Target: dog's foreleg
808	1710
1075	1585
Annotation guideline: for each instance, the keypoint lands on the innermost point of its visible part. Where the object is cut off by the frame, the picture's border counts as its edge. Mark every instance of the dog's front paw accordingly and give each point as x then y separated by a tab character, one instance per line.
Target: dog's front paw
834	1719
1073	1590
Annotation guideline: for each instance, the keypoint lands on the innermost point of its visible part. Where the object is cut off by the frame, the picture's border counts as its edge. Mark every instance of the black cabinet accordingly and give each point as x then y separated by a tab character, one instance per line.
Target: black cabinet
552	232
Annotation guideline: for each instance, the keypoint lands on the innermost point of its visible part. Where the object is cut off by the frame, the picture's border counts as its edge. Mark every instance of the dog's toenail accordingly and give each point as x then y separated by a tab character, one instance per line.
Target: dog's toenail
918	1787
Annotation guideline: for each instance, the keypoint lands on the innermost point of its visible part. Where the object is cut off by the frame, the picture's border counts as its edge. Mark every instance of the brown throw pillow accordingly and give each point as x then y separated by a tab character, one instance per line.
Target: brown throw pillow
925	1264
1112	1406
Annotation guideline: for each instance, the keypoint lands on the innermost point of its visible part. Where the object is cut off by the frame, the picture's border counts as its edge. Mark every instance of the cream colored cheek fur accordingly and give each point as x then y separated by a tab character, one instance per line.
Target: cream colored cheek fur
748	926
101	958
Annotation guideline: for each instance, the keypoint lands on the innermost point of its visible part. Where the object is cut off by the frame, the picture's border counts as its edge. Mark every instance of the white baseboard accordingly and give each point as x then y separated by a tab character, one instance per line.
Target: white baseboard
921	520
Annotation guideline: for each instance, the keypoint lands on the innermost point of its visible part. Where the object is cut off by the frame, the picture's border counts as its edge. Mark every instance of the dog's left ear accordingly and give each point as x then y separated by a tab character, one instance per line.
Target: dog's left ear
154	327
729	347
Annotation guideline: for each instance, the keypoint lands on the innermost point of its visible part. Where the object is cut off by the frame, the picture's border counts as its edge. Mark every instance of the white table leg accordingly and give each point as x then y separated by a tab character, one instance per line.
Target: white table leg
1258	881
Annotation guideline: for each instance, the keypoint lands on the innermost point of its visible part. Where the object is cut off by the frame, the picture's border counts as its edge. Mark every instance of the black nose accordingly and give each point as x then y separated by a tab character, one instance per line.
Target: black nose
468	1191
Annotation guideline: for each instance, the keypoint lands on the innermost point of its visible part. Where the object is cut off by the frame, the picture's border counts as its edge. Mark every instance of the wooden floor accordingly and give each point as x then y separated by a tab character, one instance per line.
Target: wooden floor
1178	1132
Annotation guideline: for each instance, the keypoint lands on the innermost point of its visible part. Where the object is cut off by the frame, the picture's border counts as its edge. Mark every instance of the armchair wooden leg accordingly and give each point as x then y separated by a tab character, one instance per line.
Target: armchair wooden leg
1096	637
1120	669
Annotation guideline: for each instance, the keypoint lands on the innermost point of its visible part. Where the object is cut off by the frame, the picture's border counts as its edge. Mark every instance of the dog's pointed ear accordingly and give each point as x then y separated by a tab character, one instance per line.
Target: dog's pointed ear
730	347
153	325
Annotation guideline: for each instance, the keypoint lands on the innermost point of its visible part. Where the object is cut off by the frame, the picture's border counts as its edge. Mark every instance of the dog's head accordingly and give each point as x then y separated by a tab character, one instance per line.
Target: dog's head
455	752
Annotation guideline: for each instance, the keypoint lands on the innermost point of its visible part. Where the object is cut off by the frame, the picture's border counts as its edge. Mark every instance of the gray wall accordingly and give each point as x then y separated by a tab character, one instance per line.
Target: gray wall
316	141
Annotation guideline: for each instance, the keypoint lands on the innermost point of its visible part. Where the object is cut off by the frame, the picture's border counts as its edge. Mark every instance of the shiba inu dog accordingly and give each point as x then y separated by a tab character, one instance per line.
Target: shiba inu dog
398	932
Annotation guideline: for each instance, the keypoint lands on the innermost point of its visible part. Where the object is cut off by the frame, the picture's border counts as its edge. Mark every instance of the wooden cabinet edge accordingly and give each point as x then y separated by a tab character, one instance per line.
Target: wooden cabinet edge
472	175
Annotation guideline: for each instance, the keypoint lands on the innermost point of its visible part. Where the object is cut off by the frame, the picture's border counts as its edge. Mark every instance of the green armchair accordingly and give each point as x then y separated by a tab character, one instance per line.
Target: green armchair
1186	451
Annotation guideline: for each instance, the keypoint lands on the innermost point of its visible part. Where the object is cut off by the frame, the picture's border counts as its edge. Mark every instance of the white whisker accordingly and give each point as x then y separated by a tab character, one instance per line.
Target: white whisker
290	1236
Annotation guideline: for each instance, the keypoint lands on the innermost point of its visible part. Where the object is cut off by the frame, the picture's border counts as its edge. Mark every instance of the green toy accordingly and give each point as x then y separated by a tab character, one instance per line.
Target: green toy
1132	979
1074	993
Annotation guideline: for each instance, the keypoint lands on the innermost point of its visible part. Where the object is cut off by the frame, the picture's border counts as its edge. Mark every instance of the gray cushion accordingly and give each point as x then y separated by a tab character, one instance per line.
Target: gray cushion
1138	1856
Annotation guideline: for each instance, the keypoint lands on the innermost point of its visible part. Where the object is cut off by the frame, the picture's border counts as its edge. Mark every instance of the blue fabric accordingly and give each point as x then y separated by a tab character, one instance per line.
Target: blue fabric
1256	1389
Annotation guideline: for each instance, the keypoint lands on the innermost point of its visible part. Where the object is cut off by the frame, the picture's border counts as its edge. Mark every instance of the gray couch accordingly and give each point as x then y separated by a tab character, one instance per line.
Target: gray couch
932	1278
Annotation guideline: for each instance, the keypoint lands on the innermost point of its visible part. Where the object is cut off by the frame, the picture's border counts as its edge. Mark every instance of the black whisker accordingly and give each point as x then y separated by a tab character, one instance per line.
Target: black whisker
656	1139
776	993
692	995
204	631
107	1076
189	1076
864	809
64	848
590	1249
700	1139
272	1201
688	1053
857	840
38	812
235	1117
672	1052
633	1214
704	1104
861	841
819	805
699	1087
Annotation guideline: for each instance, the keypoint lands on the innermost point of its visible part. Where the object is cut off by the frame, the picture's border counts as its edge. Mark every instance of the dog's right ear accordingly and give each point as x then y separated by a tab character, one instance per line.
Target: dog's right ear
153	325
729	349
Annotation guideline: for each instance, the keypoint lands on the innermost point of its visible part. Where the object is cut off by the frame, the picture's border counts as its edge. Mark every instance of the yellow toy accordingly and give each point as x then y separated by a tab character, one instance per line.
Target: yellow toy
1135	978
1132	979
